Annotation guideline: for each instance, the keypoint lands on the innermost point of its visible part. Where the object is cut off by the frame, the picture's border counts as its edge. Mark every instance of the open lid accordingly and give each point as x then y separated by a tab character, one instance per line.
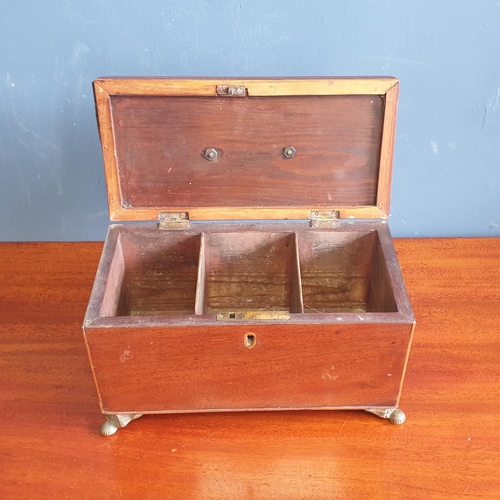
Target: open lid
223	149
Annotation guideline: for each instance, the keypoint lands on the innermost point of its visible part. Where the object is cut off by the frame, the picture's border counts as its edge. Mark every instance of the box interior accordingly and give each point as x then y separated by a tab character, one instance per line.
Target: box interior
167	273
251	272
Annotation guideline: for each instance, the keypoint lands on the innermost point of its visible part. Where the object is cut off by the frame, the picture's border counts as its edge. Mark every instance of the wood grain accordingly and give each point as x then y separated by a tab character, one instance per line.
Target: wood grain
387	148
179	87
246	213
447	449
154	133
249	272
336	272
160	143
204	368
160	272
379	292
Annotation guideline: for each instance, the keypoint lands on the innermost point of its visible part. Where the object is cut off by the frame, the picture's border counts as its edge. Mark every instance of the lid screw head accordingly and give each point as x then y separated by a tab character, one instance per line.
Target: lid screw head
289	152
211	154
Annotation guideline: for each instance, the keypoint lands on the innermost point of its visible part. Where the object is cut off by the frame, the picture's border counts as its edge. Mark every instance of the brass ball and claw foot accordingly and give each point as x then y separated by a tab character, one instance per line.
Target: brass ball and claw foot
115	422
394	415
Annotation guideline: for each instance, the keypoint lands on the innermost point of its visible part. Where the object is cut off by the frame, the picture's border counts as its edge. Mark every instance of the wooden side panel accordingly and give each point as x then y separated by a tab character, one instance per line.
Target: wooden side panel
160	143
380	294
395	296
161	272
107	135
114	302
387	149
210	368
334	270
255	86
250	271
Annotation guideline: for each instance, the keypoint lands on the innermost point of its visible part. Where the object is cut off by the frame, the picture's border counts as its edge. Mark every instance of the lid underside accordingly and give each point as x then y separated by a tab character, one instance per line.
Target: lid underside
159	150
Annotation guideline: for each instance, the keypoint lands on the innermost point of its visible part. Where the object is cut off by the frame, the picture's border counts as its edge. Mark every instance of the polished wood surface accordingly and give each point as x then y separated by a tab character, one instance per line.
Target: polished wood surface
340	345
160	144
202	368
387	148
448	448
154	133
256	86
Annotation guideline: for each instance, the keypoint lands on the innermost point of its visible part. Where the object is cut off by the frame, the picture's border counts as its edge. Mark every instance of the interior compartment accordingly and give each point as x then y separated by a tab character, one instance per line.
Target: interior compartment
154	273
344	272
251	271
159	273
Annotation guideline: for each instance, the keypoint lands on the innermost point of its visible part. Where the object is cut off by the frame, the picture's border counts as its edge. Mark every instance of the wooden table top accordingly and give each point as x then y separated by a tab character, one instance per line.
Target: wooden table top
449	447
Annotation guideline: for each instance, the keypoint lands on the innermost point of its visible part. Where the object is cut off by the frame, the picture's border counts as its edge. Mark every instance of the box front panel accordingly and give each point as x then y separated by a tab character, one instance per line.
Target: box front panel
248	366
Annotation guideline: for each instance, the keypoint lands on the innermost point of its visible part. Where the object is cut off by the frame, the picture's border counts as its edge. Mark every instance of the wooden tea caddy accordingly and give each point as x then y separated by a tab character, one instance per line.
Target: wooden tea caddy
294	298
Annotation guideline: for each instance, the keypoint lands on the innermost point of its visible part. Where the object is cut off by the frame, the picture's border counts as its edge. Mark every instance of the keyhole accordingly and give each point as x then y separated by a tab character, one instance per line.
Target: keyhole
250	340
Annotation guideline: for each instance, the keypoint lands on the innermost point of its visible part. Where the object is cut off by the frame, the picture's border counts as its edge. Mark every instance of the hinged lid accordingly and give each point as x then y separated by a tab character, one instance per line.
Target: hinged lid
222	149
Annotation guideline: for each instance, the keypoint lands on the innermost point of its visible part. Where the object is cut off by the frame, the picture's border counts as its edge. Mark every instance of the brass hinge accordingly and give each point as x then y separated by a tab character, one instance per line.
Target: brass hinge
231	90
173	220
325	219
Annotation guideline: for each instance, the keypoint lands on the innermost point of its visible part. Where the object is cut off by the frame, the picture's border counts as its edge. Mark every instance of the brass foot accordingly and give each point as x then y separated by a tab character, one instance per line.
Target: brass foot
115	422
394	415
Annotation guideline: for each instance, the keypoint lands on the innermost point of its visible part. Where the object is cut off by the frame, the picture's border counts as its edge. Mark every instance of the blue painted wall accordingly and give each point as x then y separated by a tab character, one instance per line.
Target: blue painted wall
446	53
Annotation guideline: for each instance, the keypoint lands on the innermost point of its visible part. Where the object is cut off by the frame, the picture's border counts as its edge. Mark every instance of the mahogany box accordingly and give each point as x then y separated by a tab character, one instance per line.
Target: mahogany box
259	272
